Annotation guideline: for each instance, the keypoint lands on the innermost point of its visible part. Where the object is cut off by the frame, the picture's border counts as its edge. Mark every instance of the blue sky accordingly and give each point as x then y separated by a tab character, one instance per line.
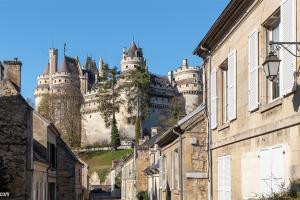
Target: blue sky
167	30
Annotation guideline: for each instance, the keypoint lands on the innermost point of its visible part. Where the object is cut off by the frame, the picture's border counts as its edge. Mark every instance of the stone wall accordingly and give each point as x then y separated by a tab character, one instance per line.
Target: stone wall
65	173
141	179
15	145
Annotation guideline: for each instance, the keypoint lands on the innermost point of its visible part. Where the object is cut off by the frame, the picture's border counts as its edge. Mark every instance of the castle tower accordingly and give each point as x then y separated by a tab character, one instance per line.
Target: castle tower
53	54
133	57
188	83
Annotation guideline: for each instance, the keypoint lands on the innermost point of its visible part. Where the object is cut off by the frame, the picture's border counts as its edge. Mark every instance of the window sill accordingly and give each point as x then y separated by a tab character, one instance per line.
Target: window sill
223	126
270	105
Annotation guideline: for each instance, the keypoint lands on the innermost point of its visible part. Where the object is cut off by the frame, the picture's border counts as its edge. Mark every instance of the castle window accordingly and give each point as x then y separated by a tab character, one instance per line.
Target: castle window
59	80
195	84
55	81
45	82
187	85
194	75
40	81
90	116
65	80
126	66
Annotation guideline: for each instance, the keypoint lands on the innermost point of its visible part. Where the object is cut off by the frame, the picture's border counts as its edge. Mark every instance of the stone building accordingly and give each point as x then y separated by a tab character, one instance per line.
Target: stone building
58	173
183	161
16	143
152	171
85	77
128	191
254	122
45	158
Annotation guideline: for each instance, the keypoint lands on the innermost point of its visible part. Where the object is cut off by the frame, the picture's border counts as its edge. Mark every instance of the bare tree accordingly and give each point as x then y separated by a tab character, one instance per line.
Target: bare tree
63	109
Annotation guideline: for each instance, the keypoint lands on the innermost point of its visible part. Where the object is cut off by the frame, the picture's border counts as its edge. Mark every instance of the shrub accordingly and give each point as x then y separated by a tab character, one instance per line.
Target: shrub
142	195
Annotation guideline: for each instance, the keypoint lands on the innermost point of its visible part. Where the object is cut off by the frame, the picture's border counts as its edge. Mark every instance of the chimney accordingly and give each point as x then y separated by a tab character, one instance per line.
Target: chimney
154	131
53	54
12	72
185	62
170	76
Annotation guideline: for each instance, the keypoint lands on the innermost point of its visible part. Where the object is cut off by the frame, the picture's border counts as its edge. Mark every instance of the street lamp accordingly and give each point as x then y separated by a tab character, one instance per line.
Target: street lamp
271	66
272	62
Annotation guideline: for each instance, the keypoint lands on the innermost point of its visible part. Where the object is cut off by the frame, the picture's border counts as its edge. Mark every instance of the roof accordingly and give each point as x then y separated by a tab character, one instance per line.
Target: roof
39	152
46	70
152	140
233	11
68	65
132	49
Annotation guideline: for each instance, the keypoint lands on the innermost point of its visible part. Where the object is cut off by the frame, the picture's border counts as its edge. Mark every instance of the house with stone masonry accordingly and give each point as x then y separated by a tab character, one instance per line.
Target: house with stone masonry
54	163
184	81
183	160
254	121
16	142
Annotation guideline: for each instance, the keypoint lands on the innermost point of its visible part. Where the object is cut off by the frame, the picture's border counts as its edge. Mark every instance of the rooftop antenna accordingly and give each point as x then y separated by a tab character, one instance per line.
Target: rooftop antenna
132	37
65	45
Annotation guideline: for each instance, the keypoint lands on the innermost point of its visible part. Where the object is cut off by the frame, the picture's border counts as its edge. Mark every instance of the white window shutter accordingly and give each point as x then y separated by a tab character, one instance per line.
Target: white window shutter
288	34
220	178
277	168
227	178
160	172
213	99
265	171
253	71
231	82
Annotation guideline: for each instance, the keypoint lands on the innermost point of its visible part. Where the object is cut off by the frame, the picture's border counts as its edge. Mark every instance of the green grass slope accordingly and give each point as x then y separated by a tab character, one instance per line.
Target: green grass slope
101	161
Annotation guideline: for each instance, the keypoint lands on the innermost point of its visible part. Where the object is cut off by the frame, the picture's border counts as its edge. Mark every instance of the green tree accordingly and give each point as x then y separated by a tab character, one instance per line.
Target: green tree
137	85
109	102
174	112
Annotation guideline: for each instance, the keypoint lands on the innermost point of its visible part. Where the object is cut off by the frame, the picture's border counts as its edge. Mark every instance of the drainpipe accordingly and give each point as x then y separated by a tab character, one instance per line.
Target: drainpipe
209	133
180	164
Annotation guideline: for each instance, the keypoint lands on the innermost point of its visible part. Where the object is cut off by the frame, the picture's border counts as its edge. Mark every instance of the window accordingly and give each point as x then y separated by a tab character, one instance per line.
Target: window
224	68
51	154
271	169
51	191
187	85
194	75
224	178
273	34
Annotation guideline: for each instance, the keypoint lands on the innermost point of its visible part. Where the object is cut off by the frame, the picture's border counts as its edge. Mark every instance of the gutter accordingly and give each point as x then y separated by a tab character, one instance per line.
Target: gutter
209	132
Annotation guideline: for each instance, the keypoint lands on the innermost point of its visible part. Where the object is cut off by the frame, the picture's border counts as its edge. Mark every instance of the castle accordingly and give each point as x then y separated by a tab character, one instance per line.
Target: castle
185	80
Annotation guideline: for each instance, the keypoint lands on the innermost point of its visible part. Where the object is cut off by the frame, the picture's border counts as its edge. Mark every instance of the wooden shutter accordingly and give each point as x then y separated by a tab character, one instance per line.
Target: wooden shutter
231	83
288	34
160	172
277	168
213	99
265	171
253	71
224	178
220	178
172	170
227	178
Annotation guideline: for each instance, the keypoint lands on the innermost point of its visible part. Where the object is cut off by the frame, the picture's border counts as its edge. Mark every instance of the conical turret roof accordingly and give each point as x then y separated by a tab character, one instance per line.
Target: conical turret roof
132	49
64	66
46	70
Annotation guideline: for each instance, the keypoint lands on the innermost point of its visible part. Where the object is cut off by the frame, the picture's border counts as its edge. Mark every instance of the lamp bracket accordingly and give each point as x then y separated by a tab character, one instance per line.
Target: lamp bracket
283	44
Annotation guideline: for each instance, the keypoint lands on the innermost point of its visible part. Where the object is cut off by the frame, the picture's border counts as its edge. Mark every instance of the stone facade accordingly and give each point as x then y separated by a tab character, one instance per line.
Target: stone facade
193	129
16	161
86	77
258	149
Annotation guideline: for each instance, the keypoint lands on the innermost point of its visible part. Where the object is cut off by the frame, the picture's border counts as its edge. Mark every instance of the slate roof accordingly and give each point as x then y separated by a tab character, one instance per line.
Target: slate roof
46	70
68	65
132	49
39	152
